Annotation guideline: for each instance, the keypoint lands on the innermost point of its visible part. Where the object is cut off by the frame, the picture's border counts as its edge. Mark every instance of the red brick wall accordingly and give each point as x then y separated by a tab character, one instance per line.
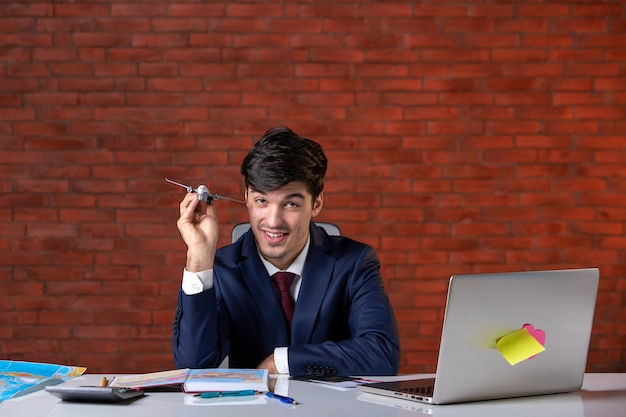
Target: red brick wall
462	137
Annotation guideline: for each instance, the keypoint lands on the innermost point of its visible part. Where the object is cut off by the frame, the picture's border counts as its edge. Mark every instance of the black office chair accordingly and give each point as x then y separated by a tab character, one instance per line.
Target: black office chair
242	228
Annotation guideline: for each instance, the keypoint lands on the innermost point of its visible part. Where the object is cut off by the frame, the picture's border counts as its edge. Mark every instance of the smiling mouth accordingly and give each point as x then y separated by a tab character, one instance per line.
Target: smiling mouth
275	235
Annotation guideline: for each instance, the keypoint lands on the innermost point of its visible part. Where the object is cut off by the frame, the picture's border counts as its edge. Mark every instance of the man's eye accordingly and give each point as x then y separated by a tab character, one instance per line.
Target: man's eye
260	200
292	204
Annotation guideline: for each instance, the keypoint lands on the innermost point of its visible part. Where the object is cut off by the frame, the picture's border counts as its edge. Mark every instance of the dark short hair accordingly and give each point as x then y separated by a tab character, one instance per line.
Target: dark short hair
281	157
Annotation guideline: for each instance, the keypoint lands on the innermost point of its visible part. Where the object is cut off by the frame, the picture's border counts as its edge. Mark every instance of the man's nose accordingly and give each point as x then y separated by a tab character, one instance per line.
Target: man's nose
274	216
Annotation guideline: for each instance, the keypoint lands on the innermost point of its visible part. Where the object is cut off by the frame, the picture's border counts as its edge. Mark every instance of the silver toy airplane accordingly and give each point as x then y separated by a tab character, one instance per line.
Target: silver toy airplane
203	193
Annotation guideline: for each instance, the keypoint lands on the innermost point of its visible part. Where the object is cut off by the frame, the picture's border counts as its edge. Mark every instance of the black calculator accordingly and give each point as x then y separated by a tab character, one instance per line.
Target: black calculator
94	394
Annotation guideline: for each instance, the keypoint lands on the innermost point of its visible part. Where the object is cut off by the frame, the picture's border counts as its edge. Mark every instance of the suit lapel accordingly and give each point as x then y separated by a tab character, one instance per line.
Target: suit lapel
316	278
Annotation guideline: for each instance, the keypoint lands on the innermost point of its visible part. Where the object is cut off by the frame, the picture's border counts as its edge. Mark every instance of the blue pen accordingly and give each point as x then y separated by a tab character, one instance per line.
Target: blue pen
280	398
215	394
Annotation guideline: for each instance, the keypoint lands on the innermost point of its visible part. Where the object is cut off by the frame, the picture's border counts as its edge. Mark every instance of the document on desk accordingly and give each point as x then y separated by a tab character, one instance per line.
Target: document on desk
198	380
341	383
18	377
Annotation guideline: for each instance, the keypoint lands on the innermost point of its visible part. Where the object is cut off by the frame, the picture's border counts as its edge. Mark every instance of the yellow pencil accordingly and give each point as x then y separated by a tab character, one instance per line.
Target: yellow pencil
104	382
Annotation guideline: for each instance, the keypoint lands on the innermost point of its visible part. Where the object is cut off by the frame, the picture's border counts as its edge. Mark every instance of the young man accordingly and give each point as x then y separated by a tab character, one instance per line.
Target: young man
229	303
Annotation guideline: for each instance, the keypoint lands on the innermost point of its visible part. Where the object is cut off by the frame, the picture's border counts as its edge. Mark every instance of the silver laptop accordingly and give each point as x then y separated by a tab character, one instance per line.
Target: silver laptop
481	309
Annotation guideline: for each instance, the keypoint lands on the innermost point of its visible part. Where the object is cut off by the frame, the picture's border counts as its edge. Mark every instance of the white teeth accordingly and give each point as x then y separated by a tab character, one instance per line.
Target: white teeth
275	235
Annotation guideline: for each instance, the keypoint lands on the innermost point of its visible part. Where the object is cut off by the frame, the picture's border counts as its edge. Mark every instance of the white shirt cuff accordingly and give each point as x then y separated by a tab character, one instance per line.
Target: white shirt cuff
197	282
281	360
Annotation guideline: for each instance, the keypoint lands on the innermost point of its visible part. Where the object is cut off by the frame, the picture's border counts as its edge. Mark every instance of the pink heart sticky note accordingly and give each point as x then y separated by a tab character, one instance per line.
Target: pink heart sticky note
538	334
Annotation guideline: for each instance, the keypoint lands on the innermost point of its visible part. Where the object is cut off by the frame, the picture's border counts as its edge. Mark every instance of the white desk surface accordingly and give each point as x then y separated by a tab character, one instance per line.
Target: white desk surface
602	395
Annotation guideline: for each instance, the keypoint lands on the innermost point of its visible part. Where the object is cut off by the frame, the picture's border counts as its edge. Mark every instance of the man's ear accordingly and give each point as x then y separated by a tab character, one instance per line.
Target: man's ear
318	203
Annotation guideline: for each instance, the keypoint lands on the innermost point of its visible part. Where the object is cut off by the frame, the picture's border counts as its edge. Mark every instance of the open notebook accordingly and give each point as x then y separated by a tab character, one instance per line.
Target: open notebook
483	334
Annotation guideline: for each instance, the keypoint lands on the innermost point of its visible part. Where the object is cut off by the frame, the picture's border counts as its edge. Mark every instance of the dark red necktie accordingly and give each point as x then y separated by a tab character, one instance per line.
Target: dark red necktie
283	281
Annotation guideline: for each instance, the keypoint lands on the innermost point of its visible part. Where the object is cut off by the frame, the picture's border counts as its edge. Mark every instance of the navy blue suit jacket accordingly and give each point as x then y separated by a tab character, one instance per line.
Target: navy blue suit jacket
342	324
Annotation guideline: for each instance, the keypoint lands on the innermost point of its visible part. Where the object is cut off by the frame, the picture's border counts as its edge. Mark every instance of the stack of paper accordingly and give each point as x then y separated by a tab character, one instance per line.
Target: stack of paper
199	380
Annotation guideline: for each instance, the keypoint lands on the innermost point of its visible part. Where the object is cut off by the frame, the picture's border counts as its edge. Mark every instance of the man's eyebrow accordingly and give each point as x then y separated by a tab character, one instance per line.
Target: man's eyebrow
287	197
294	195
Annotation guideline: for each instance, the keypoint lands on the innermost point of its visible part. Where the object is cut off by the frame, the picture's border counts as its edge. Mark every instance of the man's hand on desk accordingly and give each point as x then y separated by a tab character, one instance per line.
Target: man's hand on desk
268	363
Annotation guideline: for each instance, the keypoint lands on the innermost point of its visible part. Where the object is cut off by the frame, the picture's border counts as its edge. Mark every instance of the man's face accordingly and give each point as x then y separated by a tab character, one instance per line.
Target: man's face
280	221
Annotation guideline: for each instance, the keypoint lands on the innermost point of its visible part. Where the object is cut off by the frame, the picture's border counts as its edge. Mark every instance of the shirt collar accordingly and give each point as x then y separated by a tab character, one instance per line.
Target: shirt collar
296	266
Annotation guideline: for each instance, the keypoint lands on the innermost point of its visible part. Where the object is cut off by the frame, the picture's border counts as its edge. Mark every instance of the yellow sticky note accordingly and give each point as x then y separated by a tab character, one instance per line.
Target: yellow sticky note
518	346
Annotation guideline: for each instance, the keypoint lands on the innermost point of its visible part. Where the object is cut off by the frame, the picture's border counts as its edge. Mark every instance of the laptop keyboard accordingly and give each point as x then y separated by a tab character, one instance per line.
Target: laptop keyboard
426	391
